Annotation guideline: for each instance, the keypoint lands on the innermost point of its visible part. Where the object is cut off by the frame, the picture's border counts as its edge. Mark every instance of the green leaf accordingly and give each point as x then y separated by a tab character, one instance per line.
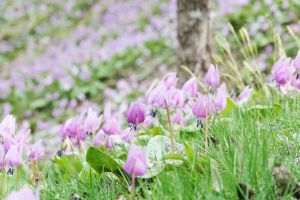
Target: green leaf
70	164
230	107
174	156
39	103
216	179
189	152
101	161
264	109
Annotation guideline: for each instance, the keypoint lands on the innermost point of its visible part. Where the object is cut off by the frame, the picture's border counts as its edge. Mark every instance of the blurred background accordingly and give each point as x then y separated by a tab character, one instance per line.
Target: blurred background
59	57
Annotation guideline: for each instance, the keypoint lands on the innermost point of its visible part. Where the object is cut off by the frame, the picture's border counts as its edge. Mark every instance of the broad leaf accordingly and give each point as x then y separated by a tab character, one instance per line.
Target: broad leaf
101	161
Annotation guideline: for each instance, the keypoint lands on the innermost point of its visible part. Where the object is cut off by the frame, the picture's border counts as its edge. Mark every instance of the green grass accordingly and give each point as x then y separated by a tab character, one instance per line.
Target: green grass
249	145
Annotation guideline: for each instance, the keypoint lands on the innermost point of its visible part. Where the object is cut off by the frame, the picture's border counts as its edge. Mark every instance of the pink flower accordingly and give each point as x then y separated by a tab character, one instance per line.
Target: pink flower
170	80
8	141
221	98
297	62
157	95
136	163
178	118
212	77
2	163
73	128
99	138
135	113
112	127
202	107
296	83
245	94
127	135
13	157
177	98
283	70
102	139
36	151
22	137
25	193
190	87
8	126
92	122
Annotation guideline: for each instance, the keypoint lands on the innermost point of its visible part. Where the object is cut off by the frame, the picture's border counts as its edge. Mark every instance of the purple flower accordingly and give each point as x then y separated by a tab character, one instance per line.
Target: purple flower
135	113
92	122
156	95
221	98
36	151
178	118
111	127
190	87
8	126
24	193
127	135
202	107
99	138
212	77
245	94
136	163
297	62
7	142
170	80
13	157
296	83
73	129
283	70
102	139
177	98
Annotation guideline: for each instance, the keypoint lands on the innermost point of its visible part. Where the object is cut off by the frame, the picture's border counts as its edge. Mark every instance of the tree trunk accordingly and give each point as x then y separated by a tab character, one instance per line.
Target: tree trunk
194	35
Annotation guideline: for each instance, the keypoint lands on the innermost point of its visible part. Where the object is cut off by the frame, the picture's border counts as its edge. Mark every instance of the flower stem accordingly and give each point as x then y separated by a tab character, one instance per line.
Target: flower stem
132	186
170	126
18	178
206	134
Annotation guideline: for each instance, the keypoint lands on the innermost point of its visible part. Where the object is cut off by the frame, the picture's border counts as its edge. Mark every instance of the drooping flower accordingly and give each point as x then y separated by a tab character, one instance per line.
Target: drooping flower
22	137
99	138
212	77
127	135
297	62
190	87
13	157
136	163
178	118
24	193
73	129
2	162
221	98
7	142
177	98
296	82
92	122
156	95
112	127
8	126
283	70
245	94
170	80
36	151
135	113
202	107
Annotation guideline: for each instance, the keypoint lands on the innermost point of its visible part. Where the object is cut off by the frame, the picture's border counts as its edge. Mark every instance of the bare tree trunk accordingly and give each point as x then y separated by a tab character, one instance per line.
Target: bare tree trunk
194	34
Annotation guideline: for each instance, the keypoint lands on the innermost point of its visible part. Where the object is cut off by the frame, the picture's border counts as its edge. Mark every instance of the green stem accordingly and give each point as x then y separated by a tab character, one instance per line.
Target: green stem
170	126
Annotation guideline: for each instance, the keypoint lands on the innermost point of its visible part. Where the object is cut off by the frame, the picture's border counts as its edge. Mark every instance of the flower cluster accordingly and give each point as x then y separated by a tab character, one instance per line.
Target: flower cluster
286	72
15	144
